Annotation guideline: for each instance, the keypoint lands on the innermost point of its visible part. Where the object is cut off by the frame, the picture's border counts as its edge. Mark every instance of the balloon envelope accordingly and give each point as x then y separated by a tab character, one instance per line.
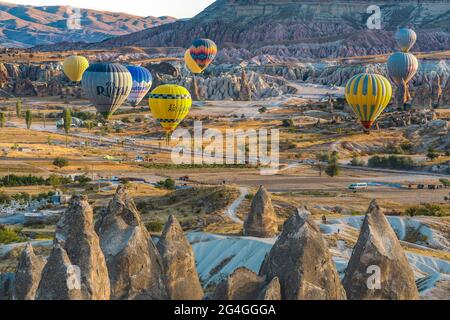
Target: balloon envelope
191	64
406	38
368	94
169	105
142	82
107	85
203	52
402	67
74	67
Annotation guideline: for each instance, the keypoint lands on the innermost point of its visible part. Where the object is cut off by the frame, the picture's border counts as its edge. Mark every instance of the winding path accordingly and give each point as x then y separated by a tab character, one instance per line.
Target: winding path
232	209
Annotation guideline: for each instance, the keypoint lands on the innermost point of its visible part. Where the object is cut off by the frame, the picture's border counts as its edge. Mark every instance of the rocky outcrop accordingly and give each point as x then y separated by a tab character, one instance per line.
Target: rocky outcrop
6	285
272	291
134	263
28	274
76	235
180	274
302	262
283	28
378	267
261	221
60	279
244	284
245	93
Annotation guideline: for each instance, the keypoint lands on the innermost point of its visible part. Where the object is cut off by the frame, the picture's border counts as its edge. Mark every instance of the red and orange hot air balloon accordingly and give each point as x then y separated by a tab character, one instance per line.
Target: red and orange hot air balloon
203	52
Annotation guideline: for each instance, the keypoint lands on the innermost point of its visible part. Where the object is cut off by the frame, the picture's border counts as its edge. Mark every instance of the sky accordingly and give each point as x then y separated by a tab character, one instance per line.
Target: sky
174	8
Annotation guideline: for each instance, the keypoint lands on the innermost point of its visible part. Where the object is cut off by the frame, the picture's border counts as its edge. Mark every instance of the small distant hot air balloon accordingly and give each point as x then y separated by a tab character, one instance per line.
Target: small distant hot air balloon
74	67
406	38
142	82
203	52
402	67
169	105
368	94
191	64
107	85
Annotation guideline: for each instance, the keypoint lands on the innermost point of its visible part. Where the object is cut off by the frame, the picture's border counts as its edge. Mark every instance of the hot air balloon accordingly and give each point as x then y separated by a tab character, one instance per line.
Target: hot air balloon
402	67
406	38
107	85
74	67
191	64
169	105
203	52
142	82
368	94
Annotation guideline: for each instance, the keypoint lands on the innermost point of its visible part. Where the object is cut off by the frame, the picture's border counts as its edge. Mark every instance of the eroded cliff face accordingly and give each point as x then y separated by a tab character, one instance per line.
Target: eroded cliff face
306	28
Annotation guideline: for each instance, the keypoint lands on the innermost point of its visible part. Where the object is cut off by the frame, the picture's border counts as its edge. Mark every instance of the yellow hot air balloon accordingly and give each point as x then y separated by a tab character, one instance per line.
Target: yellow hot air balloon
74	67
191	64
169	105
368	94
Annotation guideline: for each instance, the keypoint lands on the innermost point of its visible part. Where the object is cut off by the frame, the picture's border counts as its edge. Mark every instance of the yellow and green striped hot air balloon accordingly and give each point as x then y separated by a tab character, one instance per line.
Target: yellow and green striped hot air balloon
74	67
368	94
169	105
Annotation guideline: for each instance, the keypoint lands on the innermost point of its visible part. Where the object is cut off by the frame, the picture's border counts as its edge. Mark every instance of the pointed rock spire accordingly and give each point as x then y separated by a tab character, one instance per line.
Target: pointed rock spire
261	221
180	274
60	279
134	263
28	274
244	284
76	235
378	267
301	261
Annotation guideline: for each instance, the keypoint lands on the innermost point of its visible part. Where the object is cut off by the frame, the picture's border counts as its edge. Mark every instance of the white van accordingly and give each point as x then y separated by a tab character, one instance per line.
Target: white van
358	186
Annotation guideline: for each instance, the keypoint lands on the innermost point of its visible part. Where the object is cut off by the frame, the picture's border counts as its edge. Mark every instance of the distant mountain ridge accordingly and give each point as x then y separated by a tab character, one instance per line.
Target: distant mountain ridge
25	26
302	28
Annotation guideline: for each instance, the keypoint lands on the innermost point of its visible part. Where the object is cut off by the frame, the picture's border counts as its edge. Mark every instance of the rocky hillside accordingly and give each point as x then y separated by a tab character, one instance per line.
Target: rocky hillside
27	26
301	28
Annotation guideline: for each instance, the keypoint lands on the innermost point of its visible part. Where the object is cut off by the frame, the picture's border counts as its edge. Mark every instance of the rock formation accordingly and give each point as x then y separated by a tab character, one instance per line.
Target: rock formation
60	279
28	274
180	274
244	284
272	291
75	232
379	248
280	28
245	93
134	263
302	262
262	220
6	285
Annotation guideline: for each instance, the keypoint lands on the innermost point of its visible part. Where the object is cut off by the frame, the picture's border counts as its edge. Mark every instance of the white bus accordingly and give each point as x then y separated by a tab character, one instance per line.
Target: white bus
358	186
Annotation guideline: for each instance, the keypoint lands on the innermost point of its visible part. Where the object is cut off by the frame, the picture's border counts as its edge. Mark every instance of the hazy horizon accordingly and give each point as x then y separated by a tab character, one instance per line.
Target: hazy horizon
175	8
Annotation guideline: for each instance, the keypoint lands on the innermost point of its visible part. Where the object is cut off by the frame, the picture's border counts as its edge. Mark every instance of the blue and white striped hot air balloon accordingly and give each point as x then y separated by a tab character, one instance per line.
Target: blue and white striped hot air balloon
406	38
142	82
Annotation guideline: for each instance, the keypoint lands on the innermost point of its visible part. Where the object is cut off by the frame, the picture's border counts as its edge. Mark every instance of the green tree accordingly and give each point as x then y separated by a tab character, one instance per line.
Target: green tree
67	118
61	162
2	119
19	107
432	153
333	168
28	118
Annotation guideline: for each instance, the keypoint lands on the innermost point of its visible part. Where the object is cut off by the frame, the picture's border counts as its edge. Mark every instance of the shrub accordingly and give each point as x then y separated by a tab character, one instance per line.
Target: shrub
391	162
333	168
8	235
61	162
357	162
166	184
154	226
